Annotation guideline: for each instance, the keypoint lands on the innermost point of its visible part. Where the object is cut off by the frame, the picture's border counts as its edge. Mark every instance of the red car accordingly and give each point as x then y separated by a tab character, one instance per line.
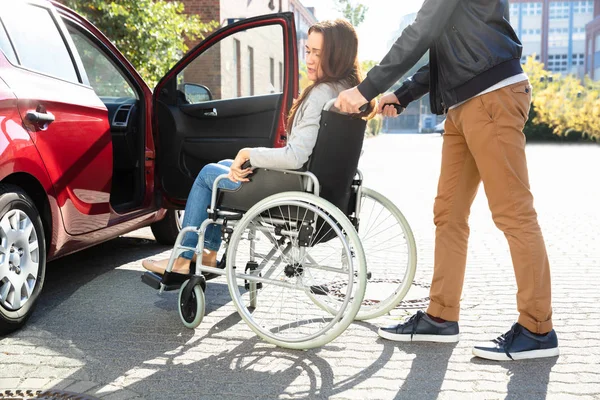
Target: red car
89	152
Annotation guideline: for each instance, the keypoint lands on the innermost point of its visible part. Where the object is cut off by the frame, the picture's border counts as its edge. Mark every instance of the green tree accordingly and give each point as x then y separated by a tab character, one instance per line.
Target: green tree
565	104
353	12
152	34
367	65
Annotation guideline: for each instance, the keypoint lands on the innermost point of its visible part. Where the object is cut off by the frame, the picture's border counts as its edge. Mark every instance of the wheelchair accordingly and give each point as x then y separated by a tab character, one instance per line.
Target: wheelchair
306	251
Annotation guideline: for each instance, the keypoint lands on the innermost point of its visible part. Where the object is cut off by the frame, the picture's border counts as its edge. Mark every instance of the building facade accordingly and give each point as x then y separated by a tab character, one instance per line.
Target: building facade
305	18
247	63
592	60
554	32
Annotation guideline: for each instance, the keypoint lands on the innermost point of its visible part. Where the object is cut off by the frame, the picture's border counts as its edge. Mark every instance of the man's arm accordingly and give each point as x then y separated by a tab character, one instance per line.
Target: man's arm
414	41
414	88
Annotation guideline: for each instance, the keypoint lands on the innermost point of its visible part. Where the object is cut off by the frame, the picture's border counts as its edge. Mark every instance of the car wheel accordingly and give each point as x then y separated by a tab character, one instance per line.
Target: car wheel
166	230
22	257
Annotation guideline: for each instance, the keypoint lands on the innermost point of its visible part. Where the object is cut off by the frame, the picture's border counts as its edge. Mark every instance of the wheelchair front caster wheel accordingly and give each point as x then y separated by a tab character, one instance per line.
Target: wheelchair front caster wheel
191	304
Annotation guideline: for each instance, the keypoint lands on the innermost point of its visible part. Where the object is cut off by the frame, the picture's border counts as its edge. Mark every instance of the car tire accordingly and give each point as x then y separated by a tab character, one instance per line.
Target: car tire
166	230
22	257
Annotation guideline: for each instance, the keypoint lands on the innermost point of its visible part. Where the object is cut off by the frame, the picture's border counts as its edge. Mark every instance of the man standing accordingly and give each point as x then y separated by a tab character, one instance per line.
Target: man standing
475	76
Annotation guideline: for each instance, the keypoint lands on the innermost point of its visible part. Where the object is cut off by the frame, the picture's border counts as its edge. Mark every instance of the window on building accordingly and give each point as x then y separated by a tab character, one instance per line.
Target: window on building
250	70
583	7
528	9
595	59
560	10
236	66
280	76
272	72
38	41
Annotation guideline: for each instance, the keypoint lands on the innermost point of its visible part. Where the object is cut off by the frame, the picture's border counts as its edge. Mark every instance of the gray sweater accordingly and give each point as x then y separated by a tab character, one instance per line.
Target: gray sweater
303	136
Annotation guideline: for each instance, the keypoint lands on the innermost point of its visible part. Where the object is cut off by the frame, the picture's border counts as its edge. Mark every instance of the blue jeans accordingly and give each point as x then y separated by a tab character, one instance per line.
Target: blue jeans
197	203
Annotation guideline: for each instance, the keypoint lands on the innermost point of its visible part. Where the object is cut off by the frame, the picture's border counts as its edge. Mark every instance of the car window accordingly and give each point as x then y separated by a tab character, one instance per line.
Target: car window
241	65
38	41
5	45
105	78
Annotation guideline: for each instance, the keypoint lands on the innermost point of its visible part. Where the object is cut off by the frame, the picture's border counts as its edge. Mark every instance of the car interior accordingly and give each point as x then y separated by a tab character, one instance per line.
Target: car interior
126	118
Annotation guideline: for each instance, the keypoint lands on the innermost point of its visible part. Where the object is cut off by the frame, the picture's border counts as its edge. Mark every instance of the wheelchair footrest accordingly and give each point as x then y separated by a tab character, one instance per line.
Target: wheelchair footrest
154	280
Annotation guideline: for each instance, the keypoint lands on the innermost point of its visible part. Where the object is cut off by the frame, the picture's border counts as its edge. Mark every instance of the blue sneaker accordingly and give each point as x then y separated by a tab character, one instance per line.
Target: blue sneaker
519	344
421	328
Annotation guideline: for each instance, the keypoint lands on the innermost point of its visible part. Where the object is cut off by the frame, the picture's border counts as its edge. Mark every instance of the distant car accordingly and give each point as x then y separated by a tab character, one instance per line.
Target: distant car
439	128
89	152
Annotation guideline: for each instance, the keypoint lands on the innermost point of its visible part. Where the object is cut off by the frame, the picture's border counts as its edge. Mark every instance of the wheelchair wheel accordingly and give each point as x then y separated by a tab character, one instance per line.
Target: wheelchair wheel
391	254
191	309
292	264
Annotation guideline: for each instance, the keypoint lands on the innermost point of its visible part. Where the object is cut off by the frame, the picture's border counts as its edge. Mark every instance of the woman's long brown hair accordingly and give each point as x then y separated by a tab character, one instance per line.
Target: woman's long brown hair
339	60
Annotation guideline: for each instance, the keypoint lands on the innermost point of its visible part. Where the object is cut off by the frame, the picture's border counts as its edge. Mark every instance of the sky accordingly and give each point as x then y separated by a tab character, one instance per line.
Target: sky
382	19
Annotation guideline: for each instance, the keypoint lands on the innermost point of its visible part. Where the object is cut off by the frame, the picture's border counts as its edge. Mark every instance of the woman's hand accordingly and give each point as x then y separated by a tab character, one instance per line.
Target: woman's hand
236	172
388	111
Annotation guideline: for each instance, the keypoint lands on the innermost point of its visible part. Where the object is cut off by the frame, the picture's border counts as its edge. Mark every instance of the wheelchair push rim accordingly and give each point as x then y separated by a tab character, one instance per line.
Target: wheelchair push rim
390	251
286	313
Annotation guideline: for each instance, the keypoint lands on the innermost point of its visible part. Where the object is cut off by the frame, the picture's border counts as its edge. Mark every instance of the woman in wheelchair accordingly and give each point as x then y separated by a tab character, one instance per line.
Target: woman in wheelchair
332	66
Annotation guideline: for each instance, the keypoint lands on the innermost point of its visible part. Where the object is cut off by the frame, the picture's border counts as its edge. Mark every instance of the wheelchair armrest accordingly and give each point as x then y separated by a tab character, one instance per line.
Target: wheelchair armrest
246	164
263	183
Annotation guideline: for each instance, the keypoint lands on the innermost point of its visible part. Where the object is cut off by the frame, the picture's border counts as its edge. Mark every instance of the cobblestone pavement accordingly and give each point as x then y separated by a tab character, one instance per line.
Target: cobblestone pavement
99	330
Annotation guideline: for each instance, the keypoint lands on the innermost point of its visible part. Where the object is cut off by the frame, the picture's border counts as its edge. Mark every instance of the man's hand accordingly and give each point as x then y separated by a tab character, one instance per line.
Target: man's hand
388	111
236	172
349	101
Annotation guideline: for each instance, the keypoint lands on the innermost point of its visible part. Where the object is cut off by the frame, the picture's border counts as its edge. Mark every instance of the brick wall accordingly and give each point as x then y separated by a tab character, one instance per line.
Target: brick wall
206	69
216	67
208	10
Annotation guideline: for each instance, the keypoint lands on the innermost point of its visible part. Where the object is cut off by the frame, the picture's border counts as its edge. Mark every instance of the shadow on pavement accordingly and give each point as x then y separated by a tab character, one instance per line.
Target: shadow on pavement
99	324
528	378
68	274
254	369
427	371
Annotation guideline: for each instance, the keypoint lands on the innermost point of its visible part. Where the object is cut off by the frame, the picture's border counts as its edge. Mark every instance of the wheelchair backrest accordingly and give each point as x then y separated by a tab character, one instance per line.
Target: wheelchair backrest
334	159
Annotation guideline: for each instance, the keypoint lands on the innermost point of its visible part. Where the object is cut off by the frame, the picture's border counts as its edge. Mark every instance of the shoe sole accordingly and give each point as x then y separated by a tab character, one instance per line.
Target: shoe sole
418	338
524	355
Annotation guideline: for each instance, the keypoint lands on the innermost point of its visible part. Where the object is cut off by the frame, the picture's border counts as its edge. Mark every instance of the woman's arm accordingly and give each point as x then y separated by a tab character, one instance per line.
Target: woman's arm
303	138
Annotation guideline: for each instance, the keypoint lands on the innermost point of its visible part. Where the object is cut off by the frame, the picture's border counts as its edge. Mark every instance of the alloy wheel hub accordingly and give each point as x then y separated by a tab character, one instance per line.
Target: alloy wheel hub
15	260
19	259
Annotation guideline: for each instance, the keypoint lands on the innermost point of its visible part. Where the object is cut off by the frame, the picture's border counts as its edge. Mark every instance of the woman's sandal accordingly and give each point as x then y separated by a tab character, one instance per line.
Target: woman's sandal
209	275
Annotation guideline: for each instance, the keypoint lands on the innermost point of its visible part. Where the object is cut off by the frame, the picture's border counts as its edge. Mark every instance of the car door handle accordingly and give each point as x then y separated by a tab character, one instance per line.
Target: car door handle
209	112
37	117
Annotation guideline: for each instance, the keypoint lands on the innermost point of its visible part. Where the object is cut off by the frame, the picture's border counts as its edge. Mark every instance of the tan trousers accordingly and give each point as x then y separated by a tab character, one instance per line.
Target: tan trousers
484	141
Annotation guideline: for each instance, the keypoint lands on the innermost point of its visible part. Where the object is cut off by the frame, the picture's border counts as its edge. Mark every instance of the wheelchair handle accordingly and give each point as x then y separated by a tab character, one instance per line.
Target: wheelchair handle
398	107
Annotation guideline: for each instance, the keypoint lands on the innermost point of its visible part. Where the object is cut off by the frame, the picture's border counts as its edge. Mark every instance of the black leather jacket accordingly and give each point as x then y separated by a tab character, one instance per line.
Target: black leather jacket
471	45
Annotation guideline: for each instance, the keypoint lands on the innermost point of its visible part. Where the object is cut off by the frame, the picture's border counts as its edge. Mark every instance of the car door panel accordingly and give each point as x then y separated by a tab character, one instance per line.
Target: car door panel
75	144
245	106
76	147
193	135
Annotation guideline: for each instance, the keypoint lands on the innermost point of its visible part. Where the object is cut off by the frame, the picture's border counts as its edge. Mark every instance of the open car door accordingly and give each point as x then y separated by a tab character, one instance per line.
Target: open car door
233	90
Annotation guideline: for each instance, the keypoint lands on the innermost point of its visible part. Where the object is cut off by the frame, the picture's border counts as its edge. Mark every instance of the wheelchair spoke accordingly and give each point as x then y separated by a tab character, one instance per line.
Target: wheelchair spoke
306	288
390	251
